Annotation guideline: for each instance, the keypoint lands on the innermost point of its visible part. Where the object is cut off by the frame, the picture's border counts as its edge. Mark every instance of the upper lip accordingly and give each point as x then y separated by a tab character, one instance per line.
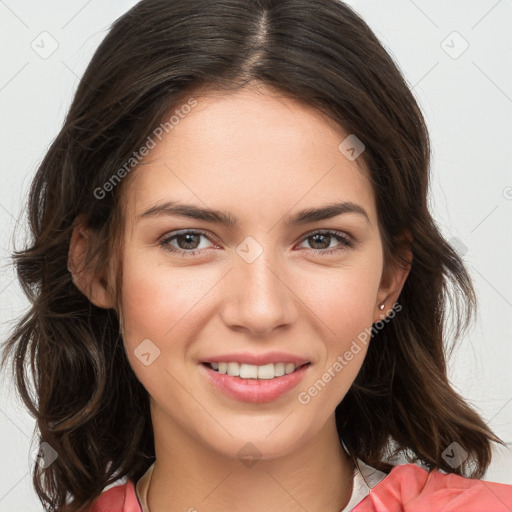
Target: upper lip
257	359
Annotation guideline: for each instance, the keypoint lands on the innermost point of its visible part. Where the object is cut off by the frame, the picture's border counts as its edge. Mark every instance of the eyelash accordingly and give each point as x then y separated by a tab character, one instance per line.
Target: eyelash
346	242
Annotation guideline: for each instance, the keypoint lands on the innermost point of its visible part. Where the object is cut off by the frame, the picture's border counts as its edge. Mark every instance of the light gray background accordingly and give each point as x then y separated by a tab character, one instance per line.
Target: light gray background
467	100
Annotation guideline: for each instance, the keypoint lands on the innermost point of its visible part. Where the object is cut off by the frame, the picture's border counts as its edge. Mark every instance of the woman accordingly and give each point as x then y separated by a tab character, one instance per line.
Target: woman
238	291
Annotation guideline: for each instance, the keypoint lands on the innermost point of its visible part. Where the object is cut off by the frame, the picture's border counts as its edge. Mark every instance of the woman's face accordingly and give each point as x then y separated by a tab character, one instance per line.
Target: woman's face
262	289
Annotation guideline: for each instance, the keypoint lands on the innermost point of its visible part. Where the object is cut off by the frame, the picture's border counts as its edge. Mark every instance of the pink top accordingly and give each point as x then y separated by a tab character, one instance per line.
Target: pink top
407	488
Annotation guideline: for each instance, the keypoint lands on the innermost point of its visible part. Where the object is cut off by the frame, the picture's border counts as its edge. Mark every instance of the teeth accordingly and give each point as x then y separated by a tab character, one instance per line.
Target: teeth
251	371
233	369
279	369
248	371
289	368
266	372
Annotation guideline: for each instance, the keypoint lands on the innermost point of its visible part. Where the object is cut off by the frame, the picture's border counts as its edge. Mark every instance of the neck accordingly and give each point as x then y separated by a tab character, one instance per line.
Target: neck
189	476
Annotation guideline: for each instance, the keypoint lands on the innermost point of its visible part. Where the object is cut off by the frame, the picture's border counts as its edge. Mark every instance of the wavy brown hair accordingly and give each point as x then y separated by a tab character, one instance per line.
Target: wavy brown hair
89	406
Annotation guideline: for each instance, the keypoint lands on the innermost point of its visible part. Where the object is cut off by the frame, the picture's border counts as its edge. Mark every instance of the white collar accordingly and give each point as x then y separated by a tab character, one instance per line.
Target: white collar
365	477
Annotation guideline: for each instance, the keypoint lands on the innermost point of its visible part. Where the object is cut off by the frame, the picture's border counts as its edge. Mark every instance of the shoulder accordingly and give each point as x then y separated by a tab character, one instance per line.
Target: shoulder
120	498
410	488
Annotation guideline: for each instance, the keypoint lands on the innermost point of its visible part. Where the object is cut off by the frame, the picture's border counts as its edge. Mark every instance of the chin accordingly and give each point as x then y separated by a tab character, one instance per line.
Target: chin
260	443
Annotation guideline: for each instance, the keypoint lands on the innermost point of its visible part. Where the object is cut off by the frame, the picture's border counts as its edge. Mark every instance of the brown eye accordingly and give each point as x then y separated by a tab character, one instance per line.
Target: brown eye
321	240
187	243
190	240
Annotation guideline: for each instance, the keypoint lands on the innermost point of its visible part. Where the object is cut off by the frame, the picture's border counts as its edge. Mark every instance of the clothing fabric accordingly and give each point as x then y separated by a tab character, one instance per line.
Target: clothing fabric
407	488
141	489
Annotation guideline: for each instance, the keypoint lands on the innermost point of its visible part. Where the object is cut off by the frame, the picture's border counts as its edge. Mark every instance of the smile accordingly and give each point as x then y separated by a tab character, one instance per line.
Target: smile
253	383
252	371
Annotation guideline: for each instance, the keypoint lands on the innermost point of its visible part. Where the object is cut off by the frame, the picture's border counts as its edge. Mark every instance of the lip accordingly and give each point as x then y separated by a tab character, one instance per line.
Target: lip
253	390
257	359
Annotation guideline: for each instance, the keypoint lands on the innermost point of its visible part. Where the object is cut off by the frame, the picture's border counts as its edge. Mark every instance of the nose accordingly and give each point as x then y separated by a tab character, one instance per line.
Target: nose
257	297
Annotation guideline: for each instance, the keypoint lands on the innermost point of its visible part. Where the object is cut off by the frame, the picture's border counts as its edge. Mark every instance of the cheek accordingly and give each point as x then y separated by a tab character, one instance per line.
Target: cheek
345	303
157	305
155	298
345	298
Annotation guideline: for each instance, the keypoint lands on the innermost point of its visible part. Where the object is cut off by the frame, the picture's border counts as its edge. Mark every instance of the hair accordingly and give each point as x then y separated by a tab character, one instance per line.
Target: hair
90	407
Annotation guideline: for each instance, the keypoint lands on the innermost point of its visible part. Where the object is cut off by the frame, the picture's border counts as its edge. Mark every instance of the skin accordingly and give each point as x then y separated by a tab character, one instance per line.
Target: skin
294	297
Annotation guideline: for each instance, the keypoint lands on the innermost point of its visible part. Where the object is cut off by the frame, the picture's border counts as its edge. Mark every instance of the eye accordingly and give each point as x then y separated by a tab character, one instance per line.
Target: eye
324	238
187	242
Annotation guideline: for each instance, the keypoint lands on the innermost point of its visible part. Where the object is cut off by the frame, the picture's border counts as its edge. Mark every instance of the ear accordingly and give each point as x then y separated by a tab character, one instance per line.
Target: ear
393	278
93	284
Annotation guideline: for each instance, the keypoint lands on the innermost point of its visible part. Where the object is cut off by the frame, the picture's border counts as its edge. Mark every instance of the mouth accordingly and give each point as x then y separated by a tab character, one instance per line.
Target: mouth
256	384
252	371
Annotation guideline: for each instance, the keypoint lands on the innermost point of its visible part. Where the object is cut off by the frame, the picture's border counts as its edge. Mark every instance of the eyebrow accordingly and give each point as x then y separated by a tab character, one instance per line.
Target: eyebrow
302	217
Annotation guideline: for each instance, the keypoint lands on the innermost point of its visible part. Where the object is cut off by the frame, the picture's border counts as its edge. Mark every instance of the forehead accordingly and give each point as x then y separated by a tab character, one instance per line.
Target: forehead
246	152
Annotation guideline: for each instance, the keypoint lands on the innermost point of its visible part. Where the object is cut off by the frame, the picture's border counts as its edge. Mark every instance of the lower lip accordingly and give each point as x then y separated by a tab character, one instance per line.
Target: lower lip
254	390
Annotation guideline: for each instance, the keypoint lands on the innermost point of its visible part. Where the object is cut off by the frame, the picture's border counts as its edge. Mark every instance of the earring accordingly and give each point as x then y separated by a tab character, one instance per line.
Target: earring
381	307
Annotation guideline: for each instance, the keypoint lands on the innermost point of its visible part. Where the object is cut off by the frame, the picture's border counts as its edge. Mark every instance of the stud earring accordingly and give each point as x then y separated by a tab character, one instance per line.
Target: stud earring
381	307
